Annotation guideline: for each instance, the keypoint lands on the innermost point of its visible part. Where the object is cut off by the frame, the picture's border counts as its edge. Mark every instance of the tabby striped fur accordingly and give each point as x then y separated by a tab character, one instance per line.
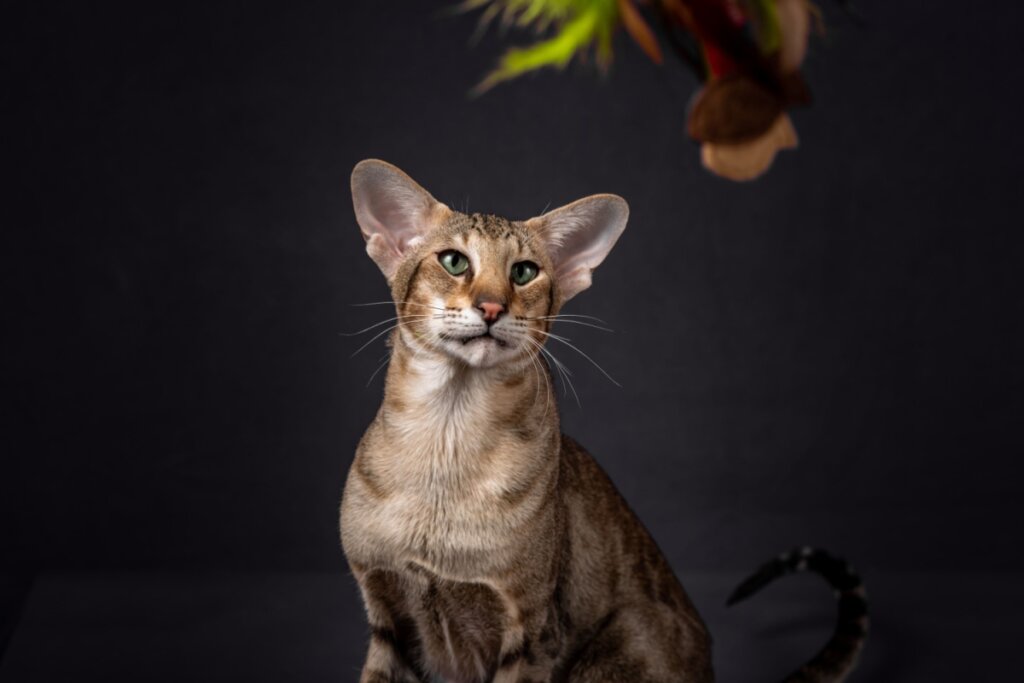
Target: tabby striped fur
488	546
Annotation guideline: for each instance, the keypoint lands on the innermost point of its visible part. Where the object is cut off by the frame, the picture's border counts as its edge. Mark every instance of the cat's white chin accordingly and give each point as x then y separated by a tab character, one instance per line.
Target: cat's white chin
480	352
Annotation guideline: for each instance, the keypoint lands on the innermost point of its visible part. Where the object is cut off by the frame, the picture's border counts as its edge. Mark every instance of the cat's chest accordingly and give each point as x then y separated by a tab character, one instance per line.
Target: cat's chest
446	509
436	520
441	479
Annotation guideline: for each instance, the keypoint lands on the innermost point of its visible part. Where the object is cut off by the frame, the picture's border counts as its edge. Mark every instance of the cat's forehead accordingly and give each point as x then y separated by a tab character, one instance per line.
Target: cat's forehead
484	227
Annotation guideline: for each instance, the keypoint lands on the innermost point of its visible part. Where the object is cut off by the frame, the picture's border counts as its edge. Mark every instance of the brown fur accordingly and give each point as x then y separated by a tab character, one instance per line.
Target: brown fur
487	545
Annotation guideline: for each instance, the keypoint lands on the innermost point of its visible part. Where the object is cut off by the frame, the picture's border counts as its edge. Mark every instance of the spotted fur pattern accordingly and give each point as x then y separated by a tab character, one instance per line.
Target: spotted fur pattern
488	546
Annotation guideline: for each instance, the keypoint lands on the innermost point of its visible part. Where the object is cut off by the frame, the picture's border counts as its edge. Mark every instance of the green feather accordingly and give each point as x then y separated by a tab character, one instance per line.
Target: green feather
580	25
764	17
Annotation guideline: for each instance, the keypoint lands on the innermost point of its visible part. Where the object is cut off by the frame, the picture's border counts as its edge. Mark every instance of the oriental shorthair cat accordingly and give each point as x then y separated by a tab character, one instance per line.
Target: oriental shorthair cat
486	544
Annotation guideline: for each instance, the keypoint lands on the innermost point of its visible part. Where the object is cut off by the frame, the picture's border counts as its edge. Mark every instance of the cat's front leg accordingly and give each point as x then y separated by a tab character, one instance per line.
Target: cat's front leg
524	655
385	660
382	666
510	659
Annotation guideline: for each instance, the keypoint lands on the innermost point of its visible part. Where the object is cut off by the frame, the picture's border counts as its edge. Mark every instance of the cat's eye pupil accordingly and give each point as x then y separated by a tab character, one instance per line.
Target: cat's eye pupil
454	262
523	272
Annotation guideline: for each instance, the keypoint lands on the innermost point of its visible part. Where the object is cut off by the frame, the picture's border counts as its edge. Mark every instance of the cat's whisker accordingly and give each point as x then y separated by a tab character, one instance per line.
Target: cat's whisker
563	316
563	371
575	348
385	331
374	338
380	367
541	382
383	322
393	303
557	369
528	356
566	376
578	322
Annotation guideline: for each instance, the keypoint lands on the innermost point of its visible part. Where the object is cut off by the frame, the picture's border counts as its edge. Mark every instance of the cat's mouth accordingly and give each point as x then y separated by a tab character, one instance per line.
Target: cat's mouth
484	337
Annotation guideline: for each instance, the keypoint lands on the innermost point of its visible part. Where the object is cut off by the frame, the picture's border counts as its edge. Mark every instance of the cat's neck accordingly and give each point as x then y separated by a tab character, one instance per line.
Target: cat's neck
439	405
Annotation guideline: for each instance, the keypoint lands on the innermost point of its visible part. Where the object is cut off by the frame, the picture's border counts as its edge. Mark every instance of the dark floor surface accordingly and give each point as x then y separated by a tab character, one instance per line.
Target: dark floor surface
310	627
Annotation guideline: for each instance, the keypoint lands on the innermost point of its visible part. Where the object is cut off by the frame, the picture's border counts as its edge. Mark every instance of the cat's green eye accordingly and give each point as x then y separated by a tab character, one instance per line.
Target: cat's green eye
454	262
523	272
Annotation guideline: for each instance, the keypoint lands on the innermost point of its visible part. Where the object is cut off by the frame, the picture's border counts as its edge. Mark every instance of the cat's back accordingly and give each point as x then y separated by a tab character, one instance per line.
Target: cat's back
589	493
613	566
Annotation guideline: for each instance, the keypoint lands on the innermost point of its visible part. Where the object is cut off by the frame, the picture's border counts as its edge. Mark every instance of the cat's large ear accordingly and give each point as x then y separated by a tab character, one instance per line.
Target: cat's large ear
579	236
394	213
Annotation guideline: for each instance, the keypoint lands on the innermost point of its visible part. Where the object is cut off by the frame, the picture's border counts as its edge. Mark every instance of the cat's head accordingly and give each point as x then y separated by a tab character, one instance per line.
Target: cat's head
478	288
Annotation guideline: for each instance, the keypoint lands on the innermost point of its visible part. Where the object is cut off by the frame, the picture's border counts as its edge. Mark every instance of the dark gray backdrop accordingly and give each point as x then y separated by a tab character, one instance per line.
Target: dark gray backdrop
829	355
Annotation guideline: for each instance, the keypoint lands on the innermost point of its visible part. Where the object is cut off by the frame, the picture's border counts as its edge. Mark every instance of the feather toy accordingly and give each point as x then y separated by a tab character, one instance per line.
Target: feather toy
746	53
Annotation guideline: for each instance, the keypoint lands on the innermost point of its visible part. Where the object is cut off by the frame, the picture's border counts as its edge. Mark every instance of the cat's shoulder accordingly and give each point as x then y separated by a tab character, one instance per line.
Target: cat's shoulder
578	465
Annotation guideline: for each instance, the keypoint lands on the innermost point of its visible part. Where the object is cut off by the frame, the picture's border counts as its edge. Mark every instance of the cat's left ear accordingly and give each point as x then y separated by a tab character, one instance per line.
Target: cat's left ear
579	236
393	211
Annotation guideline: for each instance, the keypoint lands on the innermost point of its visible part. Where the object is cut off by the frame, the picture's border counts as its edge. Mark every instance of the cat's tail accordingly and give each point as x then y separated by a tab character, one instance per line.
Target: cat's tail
838	657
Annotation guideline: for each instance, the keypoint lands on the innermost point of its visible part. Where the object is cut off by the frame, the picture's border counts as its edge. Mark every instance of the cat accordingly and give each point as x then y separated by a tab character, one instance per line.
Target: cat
487	546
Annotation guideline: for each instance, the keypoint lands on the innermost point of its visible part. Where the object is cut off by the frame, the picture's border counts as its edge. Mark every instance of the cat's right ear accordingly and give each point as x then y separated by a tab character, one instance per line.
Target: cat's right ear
393	211
579	237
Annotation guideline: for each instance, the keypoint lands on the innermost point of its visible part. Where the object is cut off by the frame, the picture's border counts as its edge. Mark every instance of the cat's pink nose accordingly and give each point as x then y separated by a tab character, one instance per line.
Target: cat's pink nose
491	310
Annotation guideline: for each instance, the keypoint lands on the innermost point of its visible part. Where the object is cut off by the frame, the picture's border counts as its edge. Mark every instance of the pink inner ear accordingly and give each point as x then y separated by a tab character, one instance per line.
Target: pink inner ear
579	237
390	224
392	210
584	247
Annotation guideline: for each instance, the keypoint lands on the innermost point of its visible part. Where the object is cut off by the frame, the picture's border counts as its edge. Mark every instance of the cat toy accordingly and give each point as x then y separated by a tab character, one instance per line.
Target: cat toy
745	53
